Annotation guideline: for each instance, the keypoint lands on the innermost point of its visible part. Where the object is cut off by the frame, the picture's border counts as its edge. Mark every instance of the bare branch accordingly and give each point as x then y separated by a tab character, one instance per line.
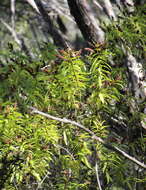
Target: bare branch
12	31
97	5
66	150
107	8
113	148
13	13
33	4
39	185
97	176
18	40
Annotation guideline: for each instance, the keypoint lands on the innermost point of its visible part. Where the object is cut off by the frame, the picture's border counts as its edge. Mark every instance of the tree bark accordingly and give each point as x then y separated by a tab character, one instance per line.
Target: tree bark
57	36
91	33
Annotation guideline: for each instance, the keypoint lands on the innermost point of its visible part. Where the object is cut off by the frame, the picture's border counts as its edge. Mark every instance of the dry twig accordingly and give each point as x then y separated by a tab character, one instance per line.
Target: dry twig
113	148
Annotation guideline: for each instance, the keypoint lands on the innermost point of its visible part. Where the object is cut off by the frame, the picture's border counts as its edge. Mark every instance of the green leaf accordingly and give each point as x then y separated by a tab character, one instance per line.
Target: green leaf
65	138
86	162
36	175
101	96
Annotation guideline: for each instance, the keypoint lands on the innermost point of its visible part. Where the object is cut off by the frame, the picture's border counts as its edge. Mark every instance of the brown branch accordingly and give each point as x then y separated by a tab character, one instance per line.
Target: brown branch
113	148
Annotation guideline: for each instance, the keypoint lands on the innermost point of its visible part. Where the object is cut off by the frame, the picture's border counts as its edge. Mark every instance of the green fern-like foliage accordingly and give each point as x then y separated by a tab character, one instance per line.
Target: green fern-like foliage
85	88
73	87
103	86
24	141
129	33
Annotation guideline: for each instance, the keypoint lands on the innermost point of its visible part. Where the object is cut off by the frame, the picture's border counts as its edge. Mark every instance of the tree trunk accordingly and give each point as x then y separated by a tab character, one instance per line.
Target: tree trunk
92	33
57	36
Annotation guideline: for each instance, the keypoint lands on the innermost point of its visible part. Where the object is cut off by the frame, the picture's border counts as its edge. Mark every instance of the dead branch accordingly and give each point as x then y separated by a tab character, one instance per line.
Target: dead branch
113	148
